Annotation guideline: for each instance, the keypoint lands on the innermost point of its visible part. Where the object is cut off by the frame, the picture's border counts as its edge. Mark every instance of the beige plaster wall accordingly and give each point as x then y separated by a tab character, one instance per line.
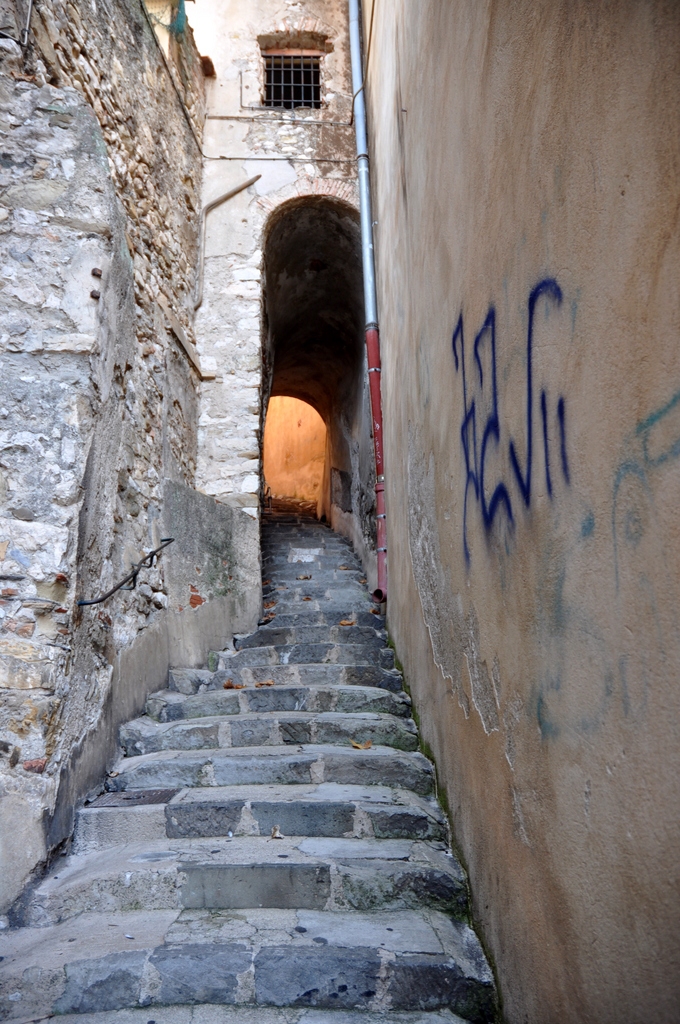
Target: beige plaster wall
525	161
294	452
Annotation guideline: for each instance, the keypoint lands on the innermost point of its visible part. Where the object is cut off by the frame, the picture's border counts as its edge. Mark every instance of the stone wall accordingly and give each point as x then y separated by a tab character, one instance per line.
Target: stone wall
300	155
100	175
525	166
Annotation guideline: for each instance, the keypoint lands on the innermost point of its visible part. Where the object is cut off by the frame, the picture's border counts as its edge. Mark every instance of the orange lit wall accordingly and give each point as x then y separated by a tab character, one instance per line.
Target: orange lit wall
294	449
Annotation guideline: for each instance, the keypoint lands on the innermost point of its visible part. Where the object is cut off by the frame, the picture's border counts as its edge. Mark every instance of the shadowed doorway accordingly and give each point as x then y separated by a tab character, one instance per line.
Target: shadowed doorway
314	351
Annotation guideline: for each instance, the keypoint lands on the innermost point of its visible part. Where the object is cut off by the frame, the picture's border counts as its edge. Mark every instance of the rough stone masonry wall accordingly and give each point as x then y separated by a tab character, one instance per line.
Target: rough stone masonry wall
526	164
99	169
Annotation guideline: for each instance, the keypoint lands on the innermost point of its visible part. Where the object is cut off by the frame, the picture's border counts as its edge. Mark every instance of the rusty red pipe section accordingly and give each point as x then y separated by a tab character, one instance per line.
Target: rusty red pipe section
373	356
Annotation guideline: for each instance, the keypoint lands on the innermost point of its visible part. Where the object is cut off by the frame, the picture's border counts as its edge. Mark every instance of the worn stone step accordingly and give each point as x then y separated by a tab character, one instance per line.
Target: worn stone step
267	728
267	636
306	654
334	591
213	1013
396	960
317	810
188	681
345	605
331	565
170	706
292	544
250	871
320	573
327	809
337	570
263	765
303	616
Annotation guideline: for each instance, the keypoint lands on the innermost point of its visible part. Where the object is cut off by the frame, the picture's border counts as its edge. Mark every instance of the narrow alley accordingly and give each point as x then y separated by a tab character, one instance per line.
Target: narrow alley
270	837
339	546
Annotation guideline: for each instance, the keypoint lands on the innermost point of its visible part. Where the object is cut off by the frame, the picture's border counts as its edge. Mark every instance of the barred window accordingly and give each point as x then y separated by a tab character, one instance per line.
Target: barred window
292	81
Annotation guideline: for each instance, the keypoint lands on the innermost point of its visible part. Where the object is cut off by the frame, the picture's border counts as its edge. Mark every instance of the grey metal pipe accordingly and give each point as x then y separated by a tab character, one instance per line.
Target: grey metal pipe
198	295
370	298
367	254
27	28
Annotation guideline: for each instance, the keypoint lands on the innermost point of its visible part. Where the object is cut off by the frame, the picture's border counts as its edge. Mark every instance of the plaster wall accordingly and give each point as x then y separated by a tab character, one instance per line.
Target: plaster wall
294	453
527	203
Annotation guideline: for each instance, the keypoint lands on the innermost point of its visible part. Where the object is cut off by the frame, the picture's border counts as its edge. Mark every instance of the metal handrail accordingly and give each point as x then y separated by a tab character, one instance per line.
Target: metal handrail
136	566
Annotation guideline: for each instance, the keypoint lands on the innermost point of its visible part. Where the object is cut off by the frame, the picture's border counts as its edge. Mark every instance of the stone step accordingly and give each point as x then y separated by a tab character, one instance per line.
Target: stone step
188	681
396	960
327	809
250	871
306	654
336	569
295	545
213	1013
327	573
275	634
267	728
304	616
340	589
263	765
170	706
345	605
297	552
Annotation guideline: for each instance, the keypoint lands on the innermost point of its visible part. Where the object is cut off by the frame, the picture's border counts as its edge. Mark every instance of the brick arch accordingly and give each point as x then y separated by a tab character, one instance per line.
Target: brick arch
342	189
307	33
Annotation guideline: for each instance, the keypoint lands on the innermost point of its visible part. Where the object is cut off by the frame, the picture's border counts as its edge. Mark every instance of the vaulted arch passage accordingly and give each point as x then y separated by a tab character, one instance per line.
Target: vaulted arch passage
313	296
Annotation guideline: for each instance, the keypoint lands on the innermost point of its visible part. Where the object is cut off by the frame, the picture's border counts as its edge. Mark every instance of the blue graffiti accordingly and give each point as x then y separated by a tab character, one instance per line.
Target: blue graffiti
659	443
484	354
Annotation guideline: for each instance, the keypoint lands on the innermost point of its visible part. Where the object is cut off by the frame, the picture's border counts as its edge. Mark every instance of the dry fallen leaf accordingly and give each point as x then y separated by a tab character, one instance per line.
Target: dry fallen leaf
266	682
277	833
362	581
361	746
266	619
348	622
307	577
270	604
343	567
231	685
374	611
266	583
306	599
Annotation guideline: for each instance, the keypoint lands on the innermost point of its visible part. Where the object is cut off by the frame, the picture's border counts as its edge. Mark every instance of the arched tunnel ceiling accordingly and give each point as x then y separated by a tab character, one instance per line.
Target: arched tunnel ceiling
314	302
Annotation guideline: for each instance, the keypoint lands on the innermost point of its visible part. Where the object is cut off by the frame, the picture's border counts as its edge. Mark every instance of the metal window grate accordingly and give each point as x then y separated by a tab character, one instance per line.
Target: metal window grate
292	82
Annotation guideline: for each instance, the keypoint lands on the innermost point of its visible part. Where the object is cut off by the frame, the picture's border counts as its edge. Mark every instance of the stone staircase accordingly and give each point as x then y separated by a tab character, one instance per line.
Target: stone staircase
269	841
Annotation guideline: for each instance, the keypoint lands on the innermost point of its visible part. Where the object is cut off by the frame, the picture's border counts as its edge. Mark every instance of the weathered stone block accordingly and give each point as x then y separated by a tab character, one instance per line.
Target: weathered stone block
199	973
328	977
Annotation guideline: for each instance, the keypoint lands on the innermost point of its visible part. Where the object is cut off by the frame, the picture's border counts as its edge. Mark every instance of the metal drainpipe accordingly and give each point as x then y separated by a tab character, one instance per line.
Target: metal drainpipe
370	299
